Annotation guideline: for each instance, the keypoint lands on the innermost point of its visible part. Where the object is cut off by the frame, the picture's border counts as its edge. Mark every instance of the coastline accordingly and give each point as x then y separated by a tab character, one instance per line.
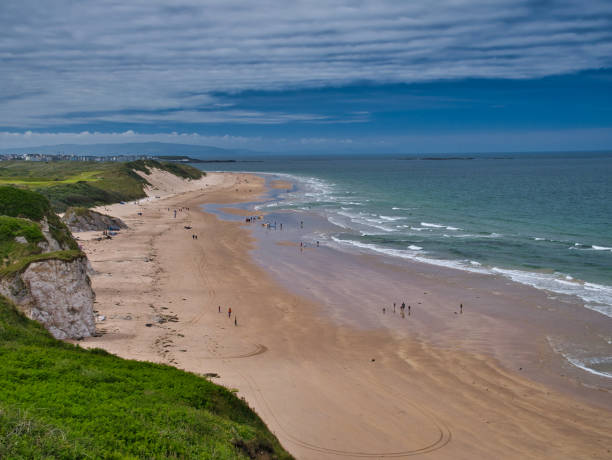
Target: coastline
326	388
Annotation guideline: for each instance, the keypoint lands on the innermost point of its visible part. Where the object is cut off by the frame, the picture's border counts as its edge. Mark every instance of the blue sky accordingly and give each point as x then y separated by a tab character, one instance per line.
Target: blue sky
309	76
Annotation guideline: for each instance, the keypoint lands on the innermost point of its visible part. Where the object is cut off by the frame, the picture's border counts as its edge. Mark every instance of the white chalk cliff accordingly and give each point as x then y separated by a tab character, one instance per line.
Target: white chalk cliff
57	294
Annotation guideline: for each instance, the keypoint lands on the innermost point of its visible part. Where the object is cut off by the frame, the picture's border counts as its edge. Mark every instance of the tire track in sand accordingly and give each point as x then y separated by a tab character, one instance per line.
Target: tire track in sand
444	432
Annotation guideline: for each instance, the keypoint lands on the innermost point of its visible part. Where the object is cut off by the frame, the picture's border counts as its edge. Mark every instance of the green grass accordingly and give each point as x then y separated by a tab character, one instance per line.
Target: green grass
21	264
17	202
60	401
10	250
86	176
87	184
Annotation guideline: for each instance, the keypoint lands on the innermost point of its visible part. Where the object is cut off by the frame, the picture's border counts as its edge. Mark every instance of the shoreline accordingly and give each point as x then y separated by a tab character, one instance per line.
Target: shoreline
548	280
325	389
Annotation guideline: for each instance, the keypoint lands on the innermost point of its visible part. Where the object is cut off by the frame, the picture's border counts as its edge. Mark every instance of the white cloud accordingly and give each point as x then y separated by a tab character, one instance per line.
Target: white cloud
475	141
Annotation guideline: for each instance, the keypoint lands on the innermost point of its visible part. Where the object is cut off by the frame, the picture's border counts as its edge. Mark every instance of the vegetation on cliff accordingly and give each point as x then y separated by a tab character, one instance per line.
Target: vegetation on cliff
61	401
23	214
88	184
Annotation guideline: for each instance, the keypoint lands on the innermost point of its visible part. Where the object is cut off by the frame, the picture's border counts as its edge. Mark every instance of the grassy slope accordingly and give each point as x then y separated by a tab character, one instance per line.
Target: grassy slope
11	250
61	401
16	203
87	184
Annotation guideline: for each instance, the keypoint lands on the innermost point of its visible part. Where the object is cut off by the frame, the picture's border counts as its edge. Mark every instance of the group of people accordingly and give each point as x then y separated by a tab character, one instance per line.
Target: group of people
229	315
403	309
179	210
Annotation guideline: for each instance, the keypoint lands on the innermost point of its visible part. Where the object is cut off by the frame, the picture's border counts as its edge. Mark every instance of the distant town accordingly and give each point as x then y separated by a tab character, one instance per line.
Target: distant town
48	157
45	157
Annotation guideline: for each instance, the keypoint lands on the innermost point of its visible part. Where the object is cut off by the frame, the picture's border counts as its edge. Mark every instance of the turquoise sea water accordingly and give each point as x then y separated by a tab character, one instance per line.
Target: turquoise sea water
539	219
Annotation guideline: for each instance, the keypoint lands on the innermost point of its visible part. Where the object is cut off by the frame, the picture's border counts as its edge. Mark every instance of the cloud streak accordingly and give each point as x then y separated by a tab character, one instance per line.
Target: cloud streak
115	58
463	142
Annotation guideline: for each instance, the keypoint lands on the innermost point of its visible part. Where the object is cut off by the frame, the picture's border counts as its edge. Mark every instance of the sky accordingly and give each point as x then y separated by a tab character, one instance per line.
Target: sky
309	76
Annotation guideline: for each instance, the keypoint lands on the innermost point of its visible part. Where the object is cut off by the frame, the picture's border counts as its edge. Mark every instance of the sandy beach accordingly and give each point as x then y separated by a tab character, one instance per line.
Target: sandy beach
328	384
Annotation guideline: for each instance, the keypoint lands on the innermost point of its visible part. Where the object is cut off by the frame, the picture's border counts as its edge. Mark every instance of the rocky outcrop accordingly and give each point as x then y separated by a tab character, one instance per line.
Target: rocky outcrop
43	271
83	219
56	293
50	244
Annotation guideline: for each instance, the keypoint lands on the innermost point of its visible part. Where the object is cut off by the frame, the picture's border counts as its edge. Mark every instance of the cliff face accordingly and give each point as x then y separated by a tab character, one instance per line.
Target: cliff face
57	294
42	270
83	219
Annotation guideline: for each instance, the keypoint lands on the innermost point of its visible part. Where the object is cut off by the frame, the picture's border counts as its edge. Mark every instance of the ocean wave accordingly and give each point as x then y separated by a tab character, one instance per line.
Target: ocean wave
601	248
447	227
395	208
603	309
471	235
407	253
352	203
337	222
591	293
581	363
391	218
588	247
368	220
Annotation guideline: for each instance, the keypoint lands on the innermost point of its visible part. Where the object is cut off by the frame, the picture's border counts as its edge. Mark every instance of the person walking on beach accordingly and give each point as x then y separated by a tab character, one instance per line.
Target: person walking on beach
461	308
229	312
408	310
219	308
235	321
393	307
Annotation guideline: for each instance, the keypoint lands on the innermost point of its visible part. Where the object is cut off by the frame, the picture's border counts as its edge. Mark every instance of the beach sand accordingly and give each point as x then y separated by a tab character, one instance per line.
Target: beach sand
326	388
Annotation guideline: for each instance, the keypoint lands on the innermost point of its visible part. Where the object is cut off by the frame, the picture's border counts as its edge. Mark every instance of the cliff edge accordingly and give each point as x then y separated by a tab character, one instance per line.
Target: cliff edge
42	269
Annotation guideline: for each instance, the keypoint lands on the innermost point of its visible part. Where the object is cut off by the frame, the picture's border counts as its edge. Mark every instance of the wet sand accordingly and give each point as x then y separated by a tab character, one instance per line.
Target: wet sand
515	323
331	382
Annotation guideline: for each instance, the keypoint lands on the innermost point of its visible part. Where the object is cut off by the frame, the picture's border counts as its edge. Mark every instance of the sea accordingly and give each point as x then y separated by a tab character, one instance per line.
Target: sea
541	219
